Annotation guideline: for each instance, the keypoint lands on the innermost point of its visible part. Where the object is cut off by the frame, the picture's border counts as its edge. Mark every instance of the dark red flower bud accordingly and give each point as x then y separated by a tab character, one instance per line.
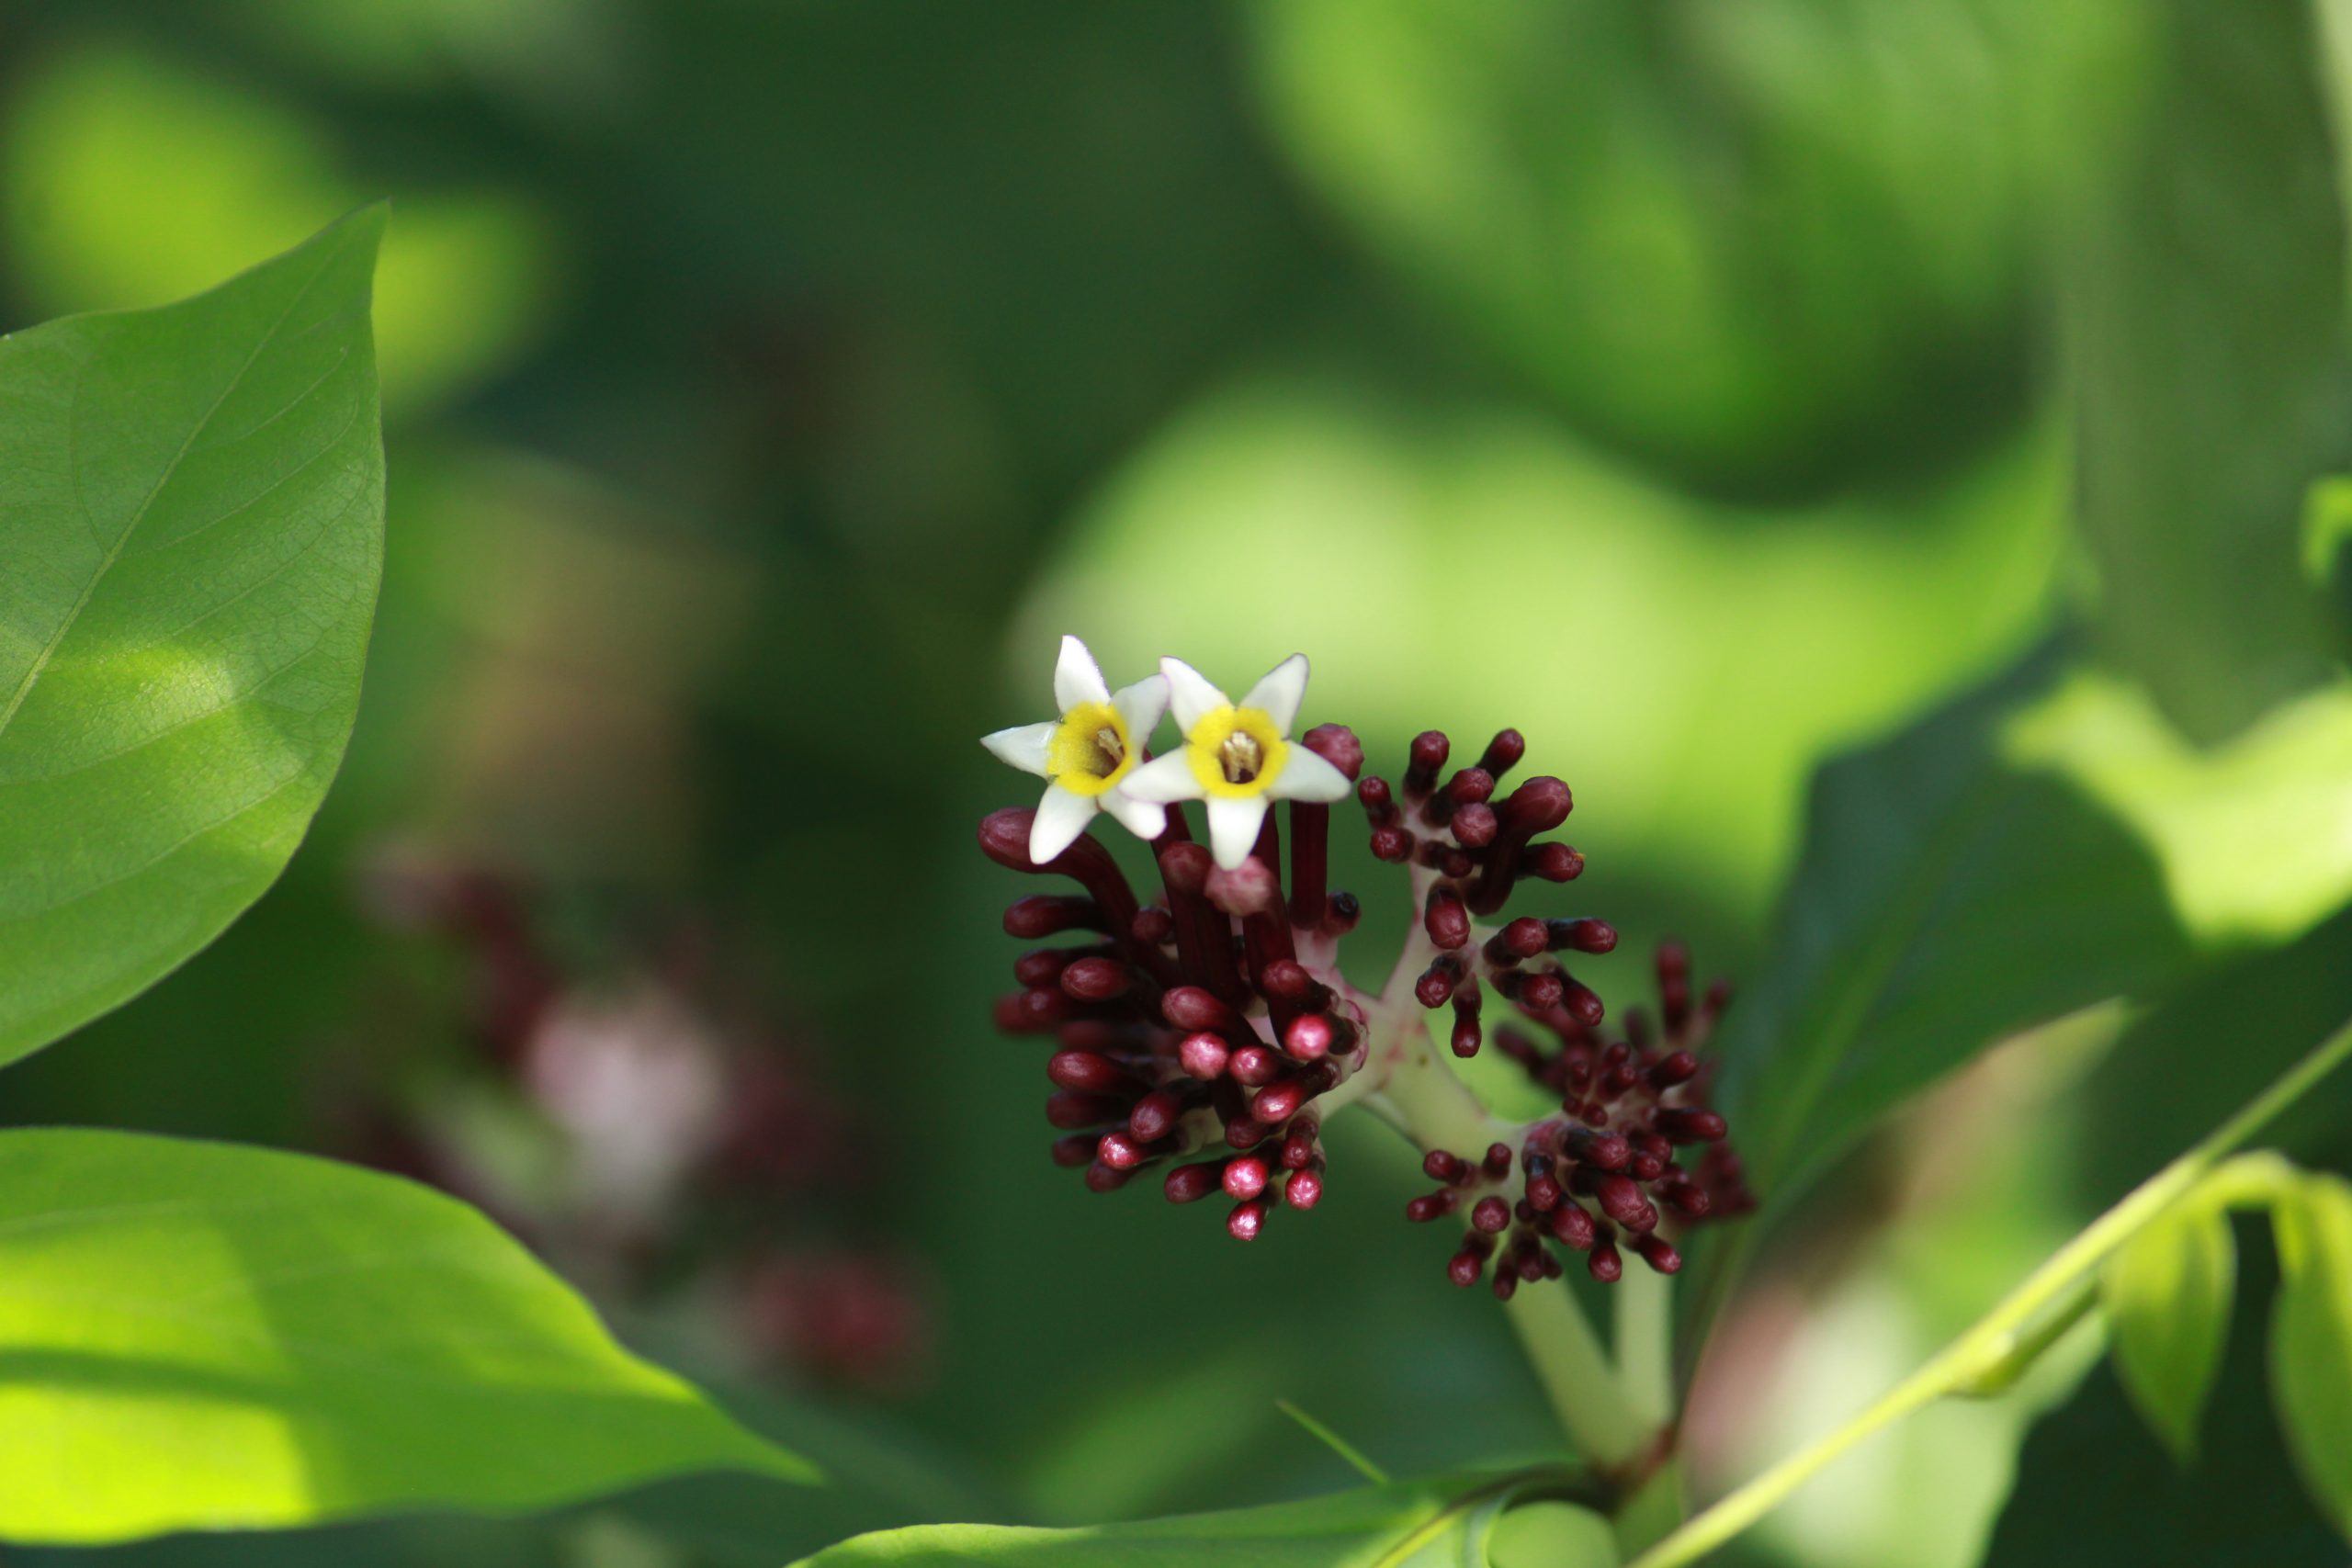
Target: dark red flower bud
1303	1189
1678	1066
1490	1215
1085	1070
1244	1177
1278	1102
1465	1038
1044	965
1309	1037
1620	1199
1520	939
1658	1253
1554	862
1095	979
1572	1226
1042	914
1606	1151
1246	1222
1070	1110
1202	1055
1430	1206
1120	1151
1445	919
1193	1008
1156	1115
1428	753
1254	1067
1190	1183
1580	936
1338	745
1688	1126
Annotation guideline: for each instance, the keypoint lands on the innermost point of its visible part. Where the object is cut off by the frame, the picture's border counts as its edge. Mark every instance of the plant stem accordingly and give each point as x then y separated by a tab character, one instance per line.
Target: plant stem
1998	1334
1644	1301
1424	1099
1652	1511
1577	1379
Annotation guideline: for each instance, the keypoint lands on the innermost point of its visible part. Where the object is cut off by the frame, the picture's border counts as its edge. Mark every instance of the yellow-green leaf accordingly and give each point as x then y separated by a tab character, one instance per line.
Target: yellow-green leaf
2310	1339
2166	1294
1441	1522
191	519
202	1336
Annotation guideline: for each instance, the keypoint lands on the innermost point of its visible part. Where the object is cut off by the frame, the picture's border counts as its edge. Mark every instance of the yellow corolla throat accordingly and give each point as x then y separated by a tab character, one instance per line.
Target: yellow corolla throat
1089	750
1236	752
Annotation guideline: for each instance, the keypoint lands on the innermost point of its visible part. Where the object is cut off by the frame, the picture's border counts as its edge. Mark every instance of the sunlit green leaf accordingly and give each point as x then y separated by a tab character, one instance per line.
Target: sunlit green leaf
1946	898
1745	640
198	1335
2248	830
2204	287
2310	1339
2166	1295
191	511
1439	1522
1751	240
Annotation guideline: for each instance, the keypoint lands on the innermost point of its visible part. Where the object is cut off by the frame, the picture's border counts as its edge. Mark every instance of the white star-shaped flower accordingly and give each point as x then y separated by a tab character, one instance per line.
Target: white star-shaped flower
1087	755
1238	757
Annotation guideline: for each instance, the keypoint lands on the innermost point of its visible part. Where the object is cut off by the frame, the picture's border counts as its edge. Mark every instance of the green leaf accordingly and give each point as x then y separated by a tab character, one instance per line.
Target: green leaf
2204	293
2310	1339
191	508
1437	1523
2093	1485
198	1335
1946	898
1729	237
2166	1294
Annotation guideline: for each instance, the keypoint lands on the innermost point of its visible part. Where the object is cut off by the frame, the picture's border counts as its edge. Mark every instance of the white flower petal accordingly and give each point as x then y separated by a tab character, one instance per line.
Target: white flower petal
1076	678
1140	706
1024	746
1234	821
1283	688
1144	818
1062	816
1164	779
1189	693
1306	776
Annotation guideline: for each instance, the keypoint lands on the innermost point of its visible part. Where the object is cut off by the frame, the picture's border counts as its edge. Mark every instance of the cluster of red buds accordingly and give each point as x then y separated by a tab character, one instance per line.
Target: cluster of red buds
1206	1032
1628	1110
699	1155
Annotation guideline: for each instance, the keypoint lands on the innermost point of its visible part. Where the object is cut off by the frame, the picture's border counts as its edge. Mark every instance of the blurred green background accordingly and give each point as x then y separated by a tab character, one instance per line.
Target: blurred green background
1704	389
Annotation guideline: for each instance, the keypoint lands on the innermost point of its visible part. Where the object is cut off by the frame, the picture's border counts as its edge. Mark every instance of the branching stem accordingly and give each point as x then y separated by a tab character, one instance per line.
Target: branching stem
1996	1338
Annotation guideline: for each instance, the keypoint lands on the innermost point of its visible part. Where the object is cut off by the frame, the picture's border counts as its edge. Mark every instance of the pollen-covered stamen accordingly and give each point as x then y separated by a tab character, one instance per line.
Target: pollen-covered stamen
1240	757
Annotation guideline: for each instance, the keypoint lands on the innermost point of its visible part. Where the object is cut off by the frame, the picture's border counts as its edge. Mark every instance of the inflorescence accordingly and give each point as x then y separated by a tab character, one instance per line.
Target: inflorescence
1209	1032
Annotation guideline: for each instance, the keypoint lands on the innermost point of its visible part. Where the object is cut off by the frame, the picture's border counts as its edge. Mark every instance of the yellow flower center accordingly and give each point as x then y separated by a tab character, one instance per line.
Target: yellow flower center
1089	751
1236	752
